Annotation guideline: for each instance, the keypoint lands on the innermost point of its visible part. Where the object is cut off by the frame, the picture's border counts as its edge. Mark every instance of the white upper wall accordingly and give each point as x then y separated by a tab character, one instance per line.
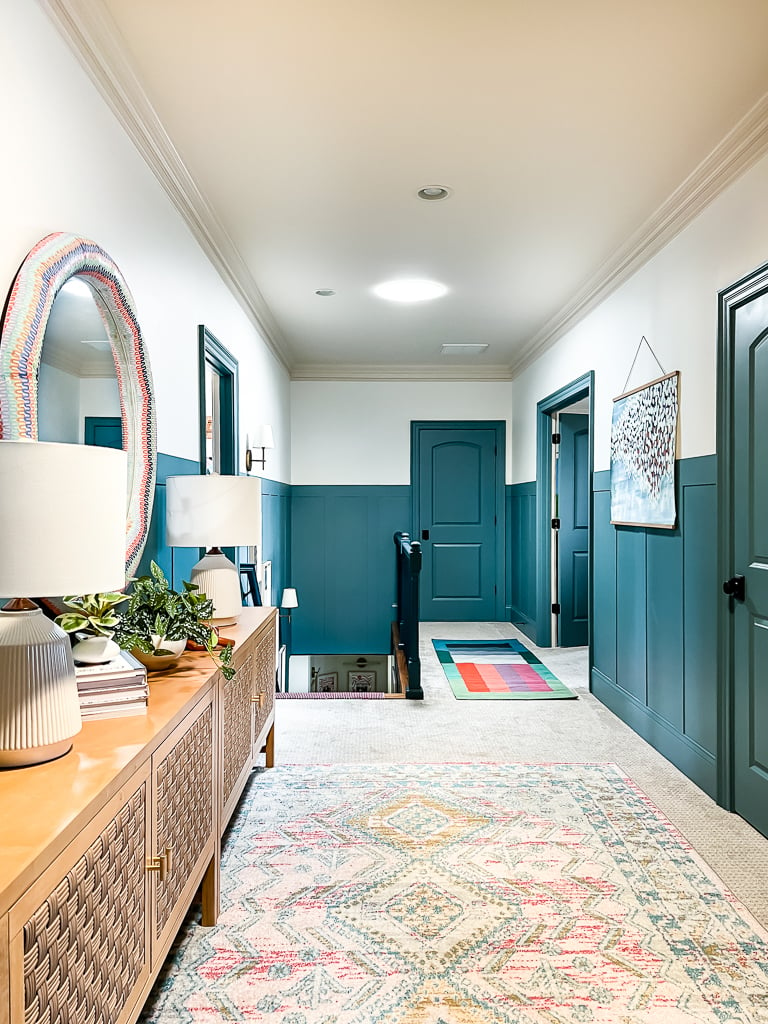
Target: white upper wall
672	301
69	166
359	432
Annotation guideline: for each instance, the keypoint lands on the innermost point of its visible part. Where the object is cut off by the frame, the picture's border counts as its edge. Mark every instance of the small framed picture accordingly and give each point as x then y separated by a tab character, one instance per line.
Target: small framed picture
327	682
361	682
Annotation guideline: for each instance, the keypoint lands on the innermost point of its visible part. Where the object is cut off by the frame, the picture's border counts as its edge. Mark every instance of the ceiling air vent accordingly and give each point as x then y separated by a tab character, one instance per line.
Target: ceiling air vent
462	350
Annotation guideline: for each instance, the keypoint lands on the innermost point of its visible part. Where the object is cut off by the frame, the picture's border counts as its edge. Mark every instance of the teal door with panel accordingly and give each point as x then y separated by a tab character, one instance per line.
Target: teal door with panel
104	431
573	535
748	586
456	517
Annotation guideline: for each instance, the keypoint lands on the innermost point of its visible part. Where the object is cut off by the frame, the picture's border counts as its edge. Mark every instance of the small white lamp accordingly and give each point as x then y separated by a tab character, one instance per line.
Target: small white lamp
263	438
215	512
289	600
62	531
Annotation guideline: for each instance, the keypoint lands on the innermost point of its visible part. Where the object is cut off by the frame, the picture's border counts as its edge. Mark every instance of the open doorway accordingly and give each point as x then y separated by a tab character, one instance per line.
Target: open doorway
570	525
564	510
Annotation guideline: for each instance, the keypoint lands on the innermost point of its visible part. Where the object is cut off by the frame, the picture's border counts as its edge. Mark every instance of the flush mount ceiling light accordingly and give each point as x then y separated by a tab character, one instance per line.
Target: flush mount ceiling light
325	292
463	350
432	193
410	290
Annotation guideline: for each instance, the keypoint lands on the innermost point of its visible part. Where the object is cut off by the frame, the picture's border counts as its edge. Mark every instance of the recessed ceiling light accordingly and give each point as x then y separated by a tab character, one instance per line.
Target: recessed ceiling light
431	193
410	290
470	349
325	292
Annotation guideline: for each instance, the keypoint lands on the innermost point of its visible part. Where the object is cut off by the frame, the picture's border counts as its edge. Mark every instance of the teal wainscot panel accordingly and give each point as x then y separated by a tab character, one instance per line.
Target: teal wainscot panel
342	565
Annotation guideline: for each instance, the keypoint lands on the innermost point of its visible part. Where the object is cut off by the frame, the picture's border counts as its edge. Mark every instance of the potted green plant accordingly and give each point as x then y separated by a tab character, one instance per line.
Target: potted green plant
92	616
158	621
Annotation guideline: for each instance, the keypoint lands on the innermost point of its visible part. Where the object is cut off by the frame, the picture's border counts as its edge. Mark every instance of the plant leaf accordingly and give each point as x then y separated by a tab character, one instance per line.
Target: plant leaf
70	622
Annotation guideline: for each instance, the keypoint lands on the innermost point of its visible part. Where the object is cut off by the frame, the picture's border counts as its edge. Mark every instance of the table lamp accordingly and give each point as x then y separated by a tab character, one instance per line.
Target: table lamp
224	511
62	531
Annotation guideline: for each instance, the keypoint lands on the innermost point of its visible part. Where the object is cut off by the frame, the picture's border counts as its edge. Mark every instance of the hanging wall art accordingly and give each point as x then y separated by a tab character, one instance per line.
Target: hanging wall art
643	443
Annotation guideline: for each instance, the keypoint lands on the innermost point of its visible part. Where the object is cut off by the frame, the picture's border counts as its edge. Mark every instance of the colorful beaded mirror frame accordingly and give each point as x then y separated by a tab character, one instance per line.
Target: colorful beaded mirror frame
49	265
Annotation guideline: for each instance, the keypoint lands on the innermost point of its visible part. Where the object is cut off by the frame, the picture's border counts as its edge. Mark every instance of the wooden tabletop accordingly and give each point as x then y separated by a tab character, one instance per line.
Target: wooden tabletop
42	807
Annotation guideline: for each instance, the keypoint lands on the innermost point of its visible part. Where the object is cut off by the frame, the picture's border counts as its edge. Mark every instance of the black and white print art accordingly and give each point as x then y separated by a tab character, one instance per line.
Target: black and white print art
643	441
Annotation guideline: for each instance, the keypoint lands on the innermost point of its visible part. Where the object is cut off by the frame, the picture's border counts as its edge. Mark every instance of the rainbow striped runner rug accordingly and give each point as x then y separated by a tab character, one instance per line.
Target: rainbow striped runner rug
497	670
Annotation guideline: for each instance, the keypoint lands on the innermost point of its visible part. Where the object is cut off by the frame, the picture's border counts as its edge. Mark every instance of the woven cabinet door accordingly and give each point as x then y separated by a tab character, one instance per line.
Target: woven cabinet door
184	806
264	681
79	937
237	739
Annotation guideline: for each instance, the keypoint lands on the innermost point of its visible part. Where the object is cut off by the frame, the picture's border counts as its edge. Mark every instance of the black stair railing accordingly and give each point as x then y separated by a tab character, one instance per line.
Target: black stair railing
405	630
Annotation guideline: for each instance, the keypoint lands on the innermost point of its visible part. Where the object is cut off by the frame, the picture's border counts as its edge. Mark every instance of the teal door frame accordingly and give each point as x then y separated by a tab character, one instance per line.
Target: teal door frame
582	387
211	351
501	532
729	300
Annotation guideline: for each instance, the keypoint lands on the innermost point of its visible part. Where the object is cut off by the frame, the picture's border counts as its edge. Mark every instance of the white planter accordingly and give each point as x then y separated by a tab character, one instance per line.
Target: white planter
95	650
156	662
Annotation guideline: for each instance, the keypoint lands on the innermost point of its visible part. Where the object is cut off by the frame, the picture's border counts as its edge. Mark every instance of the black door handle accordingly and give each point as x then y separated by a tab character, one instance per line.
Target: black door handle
425	534
735	587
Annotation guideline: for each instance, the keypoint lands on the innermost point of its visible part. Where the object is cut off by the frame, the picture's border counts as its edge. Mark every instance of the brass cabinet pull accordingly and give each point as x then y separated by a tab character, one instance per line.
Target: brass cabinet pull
258	700
162	863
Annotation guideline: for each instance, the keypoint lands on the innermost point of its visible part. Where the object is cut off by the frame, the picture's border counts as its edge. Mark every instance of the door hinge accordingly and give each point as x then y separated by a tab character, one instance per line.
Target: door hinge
555	439
555	524
556	608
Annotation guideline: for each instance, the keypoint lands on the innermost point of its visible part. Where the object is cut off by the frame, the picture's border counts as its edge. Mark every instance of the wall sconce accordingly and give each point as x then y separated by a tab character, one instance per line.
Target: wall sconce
289	600
82	552
224	511
262	438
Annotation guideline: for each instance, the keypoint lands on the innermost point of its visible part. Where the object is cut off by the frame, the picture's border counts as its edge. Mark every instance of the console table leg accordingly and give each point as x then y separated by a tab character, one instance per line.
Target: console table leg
269	747
211	891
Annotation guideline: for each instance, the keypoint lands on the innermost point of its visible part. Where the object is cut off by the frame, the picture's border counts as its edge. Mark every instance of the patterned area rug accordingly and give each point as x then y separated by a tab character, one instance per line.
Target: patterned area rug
463	894
497	670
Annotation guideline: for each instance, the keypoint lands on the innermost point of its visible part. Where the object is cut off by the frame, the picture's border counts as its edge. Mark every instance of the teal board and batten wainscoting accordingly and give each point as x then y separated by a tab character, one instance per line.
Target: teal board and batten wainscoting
342	566
655	622
521	558
276	534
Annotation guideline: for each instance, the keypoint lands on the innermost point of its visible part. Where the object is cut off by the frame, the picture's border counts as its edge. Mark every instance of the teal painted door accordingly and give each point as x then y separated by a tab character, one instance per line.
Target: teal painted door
749	445
104	431
573	536
456	523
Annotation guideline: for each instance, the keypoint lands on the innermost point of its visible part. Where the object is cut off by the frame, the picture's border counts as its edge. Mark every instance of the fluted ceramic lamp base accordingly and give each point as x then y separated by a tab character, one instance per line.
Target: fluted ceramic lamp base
34	755
39	704
219	579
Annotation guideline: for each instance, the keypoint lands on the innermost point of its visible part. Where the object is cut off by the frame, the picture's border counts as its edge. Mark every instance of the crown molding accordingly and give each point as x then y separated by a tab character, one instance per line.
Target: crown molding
734	155
376	372
91	34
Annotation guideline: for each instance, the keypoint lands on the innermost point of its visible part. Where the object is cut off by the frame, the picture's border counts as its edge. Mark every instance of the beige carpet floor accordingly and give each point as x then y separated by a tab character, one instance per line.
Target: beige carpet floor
441	729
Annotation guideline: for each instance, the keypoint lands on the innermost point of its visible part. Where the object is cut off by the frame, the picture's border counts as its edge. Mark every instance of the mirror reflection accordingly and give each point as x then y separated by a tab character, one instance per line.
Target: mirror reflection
78	396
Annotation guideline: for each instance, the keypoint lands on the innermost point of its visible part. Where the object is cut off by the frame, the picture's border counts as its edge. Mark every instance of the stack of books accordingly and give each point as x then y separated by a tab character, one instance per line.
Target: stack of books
118	687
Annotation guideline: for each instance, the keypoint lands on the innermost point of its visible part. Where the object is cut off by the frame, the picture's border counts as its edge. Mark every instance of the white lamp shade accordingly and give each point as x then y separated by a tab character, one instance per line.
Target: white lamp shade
62	518
289	599
62	531
262	437
212	511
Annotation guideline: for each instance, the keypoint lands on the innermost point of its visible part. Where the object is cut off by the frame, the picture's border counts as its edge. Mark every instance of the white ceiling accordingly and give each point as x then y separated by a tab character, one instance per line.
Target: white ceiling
577	138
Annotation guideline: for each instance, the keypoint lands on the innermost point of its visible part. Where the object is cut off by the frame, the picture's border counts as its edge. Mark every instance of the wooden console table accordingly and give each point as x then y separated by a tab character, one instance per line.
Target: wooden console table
103	850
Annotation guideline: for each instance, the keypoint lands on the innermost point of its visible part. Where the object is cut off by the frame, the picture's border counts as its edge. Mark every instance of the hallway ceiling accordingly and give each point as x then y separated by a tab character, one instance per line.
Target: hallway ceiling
576	138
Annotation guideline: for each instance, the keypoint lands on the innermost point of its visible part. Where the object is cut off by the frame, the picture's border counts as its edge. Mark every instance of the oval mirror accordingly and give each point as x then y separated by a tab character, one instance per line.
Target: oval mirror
57	259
